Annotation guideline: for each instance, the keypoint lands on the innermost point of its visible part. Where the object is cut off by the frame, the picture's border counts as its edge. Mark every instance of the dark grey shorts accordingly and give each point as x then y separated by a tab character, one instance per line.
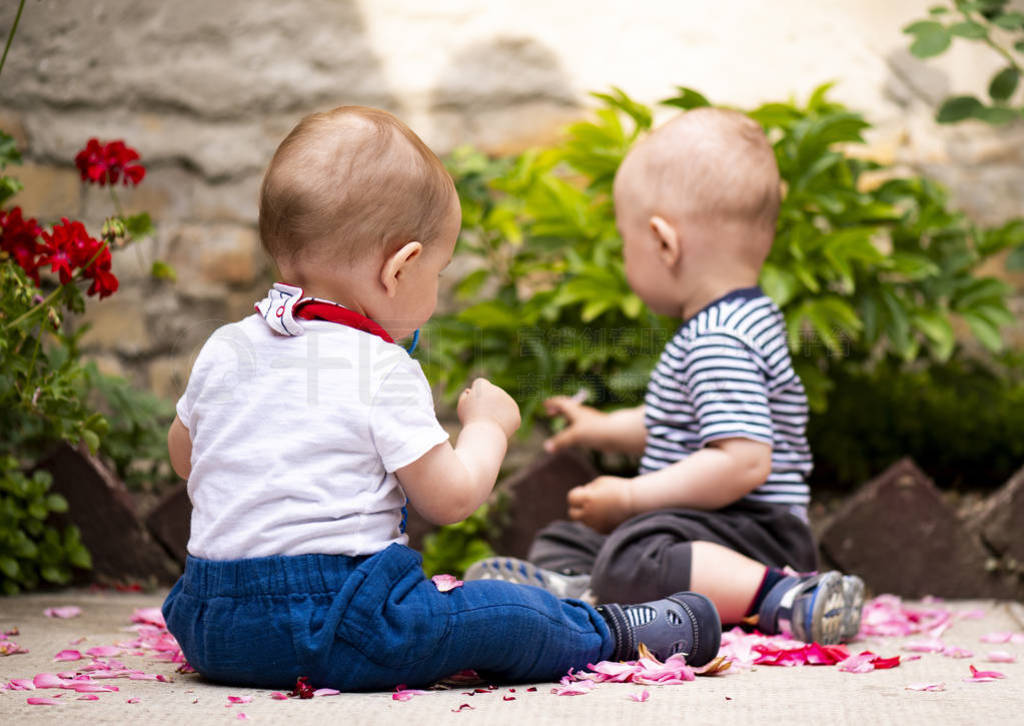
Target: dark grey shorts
648	556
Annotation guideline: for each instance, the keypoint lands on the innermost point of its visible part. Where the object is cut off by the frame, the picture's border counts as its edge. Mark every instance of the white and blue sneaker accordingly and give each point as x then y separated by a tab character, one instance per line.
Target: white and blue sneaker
824	608
521	572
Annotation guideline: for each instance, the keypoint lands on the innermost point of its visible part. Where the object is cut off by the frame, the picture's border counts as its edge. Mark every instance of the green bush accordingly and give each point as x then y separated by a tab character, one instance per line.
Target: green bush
30	548
961	420
866	266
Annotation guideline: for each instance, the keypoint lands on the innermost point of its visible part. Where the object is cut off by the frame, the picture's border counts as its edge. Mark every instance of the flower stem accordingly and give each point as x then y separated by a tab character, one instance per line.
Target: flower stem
50	298
10	36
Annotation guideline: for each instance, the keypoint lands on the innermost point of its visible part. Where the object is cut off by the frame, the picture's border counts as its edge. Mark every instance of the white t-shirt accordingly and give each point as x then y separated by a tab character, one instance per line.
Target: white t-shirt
295	440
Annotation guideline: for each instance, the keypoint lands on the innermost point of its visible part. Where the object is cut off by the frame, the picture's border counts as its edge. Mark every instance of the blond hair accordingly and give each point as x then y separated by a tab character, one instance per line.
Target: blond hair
713	165
349	181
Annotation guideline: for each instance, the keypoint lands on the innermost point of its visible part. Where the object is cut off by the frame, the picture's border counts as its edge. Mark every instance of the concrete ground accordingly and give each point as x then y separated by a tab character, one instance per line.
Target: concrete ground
764	695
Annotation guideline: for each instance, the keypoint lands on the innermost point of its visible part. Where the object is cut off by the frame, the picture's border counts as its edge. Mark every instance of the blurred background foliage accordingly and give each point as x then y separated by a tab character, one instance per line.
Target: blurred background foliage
892	324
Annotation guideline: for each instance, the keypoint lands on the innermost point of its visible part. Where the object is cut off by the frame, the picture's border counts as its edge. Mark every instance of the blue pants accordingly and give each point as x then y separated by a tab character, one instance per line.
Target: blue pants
370	623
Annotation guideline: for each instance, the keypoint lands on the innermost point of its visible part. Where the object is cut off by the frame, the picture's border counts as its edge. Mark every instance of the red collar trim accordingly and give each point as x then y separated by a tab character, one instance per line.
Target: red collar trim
314	309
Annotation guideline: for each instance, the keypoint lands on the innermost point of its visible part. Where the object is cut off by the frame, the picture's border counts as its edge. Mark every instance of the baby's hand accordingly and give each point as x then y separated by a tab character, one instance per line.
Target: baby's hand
485	401
603	504
584	424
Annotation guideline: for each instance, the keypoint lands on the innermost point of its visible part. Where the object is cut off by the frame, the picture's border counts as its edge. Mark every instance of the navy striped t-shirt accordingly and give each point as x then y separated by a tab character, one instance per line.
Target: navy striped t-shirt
727	374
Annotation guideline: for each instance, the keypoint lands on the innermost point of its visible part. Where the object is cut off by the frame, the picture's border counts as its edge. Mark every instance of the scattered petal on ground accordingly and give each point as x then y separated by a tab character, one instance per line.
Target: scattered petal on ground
1001	656
34	701
574	689
242	717
103	651
405	694
926	687
47	680
278	696
326	692
462	707
88	697
240	699
984	676
132	700
67	611
68	655
445	583
640	697
21	684
952	651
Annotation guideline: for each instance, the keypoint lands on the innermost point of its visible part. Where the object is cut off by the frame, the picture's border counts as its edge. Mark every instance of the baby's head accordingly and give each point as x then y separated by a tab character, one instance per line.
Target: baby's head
352	204
696	203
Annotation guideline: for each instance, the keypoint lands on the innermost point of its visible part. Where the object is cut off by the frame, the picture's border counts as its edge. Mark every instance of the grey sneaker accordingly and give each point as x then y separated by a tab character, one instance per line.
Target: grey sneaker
853	606
811	608
521	572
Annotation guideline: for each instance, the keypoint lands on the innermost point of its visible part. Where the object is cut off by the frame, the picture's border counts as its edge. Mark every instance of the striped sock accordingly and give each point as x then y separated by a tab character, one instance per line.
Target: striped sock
637	615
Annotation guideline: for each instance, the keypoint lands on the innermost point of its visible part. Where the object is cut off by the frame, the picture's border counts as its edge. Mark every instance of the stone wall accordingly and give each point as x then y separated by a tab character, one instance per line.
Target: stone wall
205	90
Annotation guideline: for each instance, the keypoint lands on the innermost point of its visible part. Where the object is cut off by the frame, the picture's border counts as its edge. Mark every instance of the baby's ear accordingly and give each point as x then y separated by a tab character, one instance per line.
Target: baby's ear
397	264
669	247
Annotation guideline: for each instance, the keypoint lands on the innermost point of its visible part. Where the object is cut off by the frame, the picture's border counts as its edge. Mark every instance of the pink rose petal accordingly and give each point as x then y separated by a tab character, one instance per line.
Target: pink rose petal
67	611
444	583
132	700
926	687
242	717
996	637
102	651
640	697
462	707
91	688
952	651
88	697
47	680
278	696
34	701
579	688
326	692
68	655
984	676
1001	656
240	699
405	694
21	684
150	616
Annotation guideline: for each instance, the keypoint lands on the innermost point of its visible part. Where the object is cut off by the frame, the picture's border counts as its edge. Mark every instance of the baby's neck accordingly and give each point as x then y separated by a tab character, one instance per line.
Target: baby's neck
711	288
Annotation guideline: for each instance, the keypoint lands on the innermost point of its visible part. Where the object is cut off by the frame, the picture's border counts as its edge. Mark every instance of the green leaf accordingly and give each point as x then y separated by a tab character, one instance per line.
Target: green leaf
9	186
936	327
91	439
79	557
968	29
986	333
162	271
9	153
53	573
56	503
1015	260
930	38
996	115
1004	83
938	10
958	108
9	566
687	99
1019	46
1010	21
779	284
38	510
138	225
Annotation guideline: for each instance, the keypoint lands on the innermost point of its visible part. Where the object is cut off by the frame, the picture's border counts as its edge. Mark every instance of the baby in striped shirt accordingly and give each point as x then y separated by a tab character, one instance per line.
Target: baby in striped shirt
719	505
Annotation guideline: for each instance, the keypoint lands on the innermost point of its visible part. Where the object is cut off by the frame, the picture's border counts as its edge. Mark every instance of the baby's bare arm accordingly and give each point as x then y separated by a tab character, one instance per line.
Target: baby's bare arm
710	478
179	445
447	484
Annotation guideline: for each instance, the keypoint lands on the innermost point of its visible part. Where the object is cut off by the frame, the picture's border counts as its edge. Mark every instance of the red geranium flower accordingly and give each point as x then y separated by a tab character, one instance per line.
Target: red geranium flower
69	247
105	163
18	237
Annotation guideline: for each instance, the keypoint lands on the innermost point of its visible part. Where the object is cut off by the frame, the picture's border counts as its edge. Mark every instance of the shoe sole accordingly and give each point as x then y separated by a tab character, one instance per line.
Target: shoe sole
853	604
521	572
828	611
